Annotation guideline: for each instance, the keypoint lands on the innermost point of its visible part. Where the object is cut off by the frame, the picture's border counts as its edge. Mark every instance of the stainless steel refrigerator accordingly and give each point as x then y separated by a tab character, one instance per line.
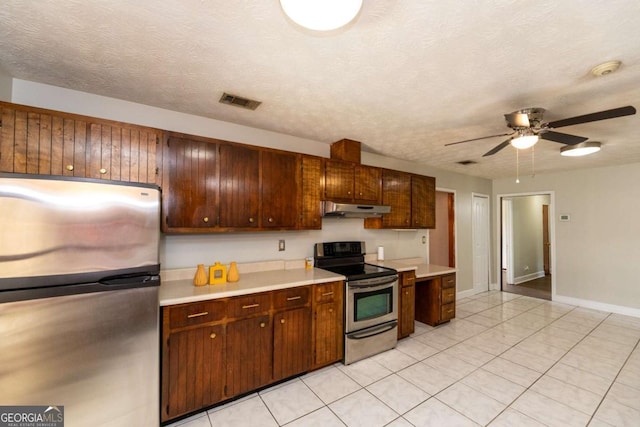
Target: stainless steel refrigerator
79	277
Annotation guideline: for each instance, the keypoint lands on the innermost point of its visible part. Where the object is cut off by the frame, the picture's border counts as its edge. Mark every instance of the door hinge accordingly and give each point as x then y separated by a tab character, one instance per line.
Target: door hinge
225	389
166	219
157	140
157	171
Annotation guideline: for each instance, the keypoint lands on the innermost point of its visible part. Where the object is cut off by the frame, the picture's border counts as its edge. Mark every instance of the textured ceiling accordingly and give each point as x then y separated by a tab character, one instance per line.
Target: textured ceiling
406	78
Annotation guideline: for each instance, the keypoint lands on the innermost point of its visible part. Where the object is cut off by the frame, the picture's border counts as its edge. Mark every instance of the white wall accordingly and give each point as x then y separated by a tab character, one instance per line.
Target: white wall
597	254
6	83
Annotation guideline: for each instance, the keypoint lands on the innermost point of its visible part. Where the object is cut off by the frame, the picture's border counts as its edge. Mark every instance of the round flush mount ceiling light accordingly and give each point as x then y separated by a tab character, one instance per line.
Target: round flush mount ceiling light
321	15
582	149
606	68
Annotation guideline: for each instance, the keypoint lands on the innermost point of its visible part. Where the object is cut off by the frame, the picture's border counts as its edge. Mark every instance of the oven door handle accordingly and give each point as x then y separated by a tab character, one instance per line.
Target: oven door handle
376	330
372	284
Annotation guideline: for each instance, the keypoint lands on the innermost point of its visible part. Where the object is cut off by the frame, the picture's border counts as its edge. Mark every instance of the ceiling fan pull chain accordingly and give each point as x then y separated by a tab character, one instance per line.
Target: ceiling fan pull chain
517	166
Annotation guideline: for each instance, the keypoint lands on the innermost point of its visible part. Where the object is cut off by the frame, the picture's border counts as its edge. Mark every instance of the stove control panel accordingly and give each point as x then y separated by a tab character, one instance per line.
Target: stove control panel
339	249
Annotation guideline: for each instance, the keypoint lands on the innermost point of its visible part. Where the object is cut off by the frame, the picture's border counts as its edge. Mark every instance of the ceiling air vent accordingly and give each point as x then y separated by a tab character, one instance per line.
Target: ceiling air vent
466	162
239	101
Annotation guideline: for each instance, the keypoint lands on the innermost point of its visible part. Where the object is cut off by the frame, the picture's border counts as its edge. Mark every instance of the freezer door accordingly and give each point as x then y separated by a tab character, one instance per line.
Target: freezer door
61	231
96	354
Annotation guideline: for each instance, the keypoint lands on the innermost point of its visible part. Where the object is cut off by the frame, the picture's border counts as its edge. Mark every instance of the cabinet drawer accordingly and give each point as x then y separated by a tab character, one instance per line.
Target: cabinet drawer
289	298
448	295
248	305
196	313
327	292
449	281
447	312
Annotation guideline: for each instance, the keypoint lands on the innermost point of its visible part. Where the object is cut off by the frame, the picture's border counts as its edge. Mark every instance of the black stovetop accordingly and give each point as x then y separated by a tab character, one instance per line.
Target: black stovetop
360	271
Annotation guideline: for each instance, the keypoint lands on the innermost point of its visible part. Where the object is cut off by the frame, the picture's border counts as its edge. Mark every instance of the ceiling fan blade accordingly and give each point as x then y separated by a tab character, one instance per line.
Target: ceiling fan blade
563	138
477	139
594	117
519	120
497	148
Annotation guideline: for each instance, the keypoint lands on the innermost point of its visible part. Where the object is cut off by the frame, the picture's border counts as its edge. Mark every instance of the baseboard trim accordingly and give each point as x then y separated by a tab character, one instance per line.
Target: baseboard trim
596	305
527	277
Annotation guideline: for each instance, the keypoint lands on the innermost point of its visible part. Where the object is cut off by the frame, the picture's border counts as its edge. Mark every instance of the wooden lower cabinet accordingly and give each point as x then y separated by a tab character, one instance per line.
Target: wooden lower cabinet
218	349
291	342
436	299
407	297
327	325
248	355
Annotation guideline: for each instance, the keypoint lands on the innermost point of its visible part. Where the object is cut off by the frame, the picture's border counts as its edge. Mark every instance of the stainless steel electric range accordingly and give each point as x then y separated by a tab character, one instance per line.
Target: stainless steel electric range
371	299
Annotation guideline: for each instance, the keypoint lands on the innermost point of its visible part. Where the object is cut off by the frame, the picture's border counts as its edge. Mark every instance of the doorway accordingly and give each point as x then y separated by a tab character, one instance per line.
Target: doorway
525	245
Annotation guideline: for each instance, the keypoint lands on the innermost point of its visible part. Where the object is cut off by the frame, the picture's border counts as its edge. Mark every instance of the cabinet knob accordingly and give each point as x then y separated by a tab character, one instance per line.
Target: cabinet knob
69	167
406	292
251	220
270	219
205	219
348	193
213	335
360	194
103	171
331	310
281	320
262	324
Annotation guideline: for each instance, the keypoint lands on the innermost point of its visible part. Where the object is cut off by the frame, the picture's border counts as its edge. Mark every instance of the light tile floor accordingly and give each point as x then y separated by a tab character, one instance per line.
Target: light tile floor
506	360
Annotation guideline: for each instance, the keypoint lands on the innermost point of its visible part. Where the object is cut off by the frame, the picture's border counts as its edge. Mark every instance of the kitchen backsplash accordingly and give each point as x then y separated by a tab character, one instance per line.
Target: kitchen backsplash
186	251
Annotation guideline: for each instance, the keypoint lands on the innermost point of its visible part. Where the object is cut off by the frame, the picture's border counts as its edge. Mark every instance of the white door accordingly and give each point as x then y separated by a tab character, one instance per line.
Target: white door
480	236
507	240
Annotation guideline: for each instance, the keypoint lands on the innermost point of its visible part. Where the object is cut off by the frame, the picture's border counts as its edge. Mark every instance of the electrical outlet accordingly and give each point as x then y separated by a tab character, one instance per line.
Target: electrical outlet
280	245
424	240
526	268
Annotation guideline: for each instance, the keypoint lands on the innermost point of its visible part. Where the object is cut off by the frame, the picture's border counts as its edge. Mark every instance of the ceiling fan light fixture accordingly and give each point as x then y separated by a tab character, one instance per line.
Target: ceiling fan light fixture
582	149
321	15
524	141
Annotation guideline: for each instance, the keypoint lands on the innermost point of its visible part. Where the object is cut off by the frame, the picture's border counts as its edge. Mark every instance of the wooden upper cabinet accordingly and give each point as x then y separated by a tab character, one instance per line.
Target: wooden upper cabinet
280	182
367	184
311	193
338	181
239	186
396	192
423	201
351	183
39	141
190	197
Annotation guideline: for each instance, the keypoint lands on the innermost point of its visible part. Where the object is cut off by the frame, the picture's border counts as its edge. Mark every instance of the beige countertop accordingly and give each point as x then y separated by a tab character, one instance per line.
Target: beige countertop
182	291
176	289
422	269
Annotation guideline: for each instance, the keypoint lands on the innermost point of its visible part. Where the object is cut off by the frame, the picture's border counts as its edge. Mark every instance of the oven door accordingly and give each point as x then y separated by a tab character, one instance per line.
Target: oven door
371	302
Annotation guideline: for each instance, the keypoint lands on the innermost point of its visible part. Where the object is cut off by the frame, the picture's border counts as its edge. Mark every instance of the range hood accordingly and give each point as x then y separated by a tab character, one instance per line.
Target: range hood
347	210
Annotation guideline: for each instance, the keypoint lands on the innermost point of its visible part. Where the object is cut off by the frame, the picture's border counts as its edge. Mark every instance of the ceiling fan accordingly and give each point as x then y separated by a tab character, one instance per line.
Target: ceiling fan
528	126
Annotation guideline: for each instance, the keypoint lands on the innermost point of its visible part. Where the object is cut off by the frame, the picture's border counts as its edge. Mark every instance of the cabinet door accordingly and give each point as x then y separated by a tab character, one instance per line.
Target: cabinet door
407	310
311	189
190	194
249	354
291	342
396	192
367	184
196	370
35	142
423	201
338	181
328	333
121	153
239	186
279	189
